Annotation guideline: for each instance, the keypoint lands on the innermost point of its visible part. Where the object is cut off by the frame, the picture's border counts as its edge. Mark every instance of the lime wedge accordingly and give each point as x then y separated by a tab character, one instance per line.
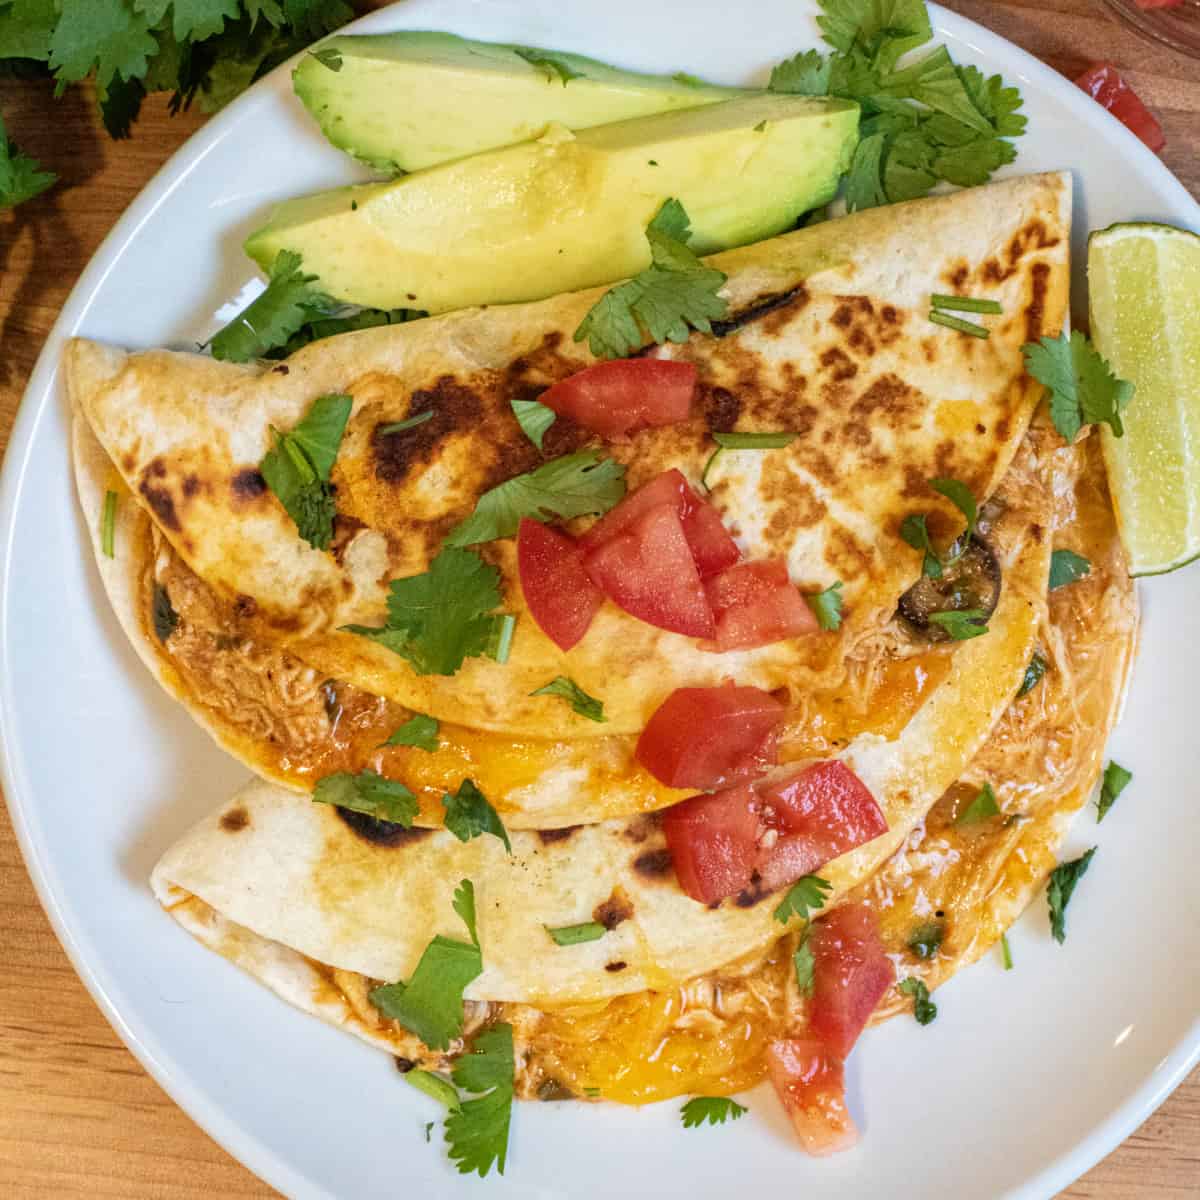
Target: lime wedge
1144	283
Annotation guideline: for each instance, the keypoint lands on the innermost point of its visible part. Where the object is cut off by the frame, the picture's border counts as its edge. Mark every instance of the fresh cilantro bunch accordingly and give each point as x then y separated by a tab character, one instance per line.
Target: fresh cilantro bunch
206	49
929	122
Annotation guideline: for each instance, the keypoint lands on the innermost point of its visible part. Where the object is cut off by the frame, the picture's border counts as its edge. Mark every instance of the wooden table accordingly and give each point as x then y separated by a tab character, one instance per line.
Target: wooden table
78	1115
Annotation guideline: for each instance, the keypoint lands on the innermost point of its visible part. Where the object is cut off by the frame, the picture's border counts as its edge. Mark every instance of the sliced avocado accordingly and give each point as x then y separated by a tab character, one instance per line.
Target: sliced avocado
567	211
406	101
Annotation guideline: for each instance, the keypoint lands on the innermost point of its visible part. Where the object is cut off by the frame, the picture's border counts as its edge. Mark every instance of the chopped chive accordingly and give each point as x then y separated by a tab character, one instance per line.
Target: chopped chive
401	426
500	643
940	318
1005	952
967	304
754	441
573	935
108	524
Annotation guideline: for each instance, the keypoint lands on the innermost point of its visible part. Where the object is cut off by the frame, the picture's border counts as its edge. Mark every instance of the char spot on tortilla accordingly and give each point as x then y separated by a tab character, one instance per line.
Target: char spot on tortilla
549	836
653	864
245	607
455	406
889	398
958	275
378	832
235	820
1039	282
162	504
640	828
404	1065
720	406
248	484
282	369
191	485
615	966
617	908
839	364
796	297
861	341
344	529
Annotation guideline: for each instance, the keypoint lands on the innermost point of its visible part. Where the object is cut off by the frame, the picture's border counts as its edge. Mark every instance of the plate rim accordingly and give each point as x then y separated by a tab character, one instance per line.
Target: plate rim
37	398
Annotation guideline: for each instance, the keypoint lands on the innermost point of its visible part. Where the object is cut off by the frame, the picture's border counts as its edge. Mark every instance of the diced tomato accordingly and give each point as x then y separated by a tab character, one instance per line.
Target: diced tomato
713	842
755	604
821	813
711	546
615	398
851	972
769	835
561	597
648	570
809	1081
710	737
1105	84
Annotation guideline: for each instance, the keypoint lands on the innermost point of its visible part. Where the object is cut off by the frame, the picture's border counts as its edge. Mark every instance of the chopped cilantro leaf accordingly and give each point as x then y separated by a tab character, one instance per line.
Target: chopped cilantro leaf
439	618
1116	779
555	67
915	532
924	1009
1067	567
804	965
108	524
534	418
431	1003
981	808
715	1110
1059	890
674	295
804	74
166	619
437	1086
105	36
585	705
926	939
269	320
802	897
419	730
477	1133
407	423
1005	953
1033	675
298	466
864	184
574	935
962	624
429	1130
20	177
572	486
469	815
464	905
826	606
368	792
960	496
342	319
1083	389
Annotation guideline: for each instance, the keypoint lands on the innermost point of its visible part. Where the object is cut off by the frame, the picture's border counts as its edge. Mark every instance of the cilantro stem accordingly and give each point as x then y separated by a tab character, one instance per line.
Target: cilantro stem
108	524
574	935
967	304
410	423
500	643
941	318
1005	952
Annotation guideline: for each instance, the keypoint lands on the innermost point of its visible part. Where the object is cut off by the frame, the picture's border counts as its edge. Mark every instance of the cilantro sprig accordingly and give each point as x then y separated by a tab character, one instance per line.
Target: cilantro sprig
914	529
419	730
534	418
443	616
981	808
580	702
929	122
431	1003
298	466
664	303
711	1110
1116	780
1061	887
370	793
575	485
924	1009
1067	567
477	1131
469	814
1083	389
826	606
20	176
803	897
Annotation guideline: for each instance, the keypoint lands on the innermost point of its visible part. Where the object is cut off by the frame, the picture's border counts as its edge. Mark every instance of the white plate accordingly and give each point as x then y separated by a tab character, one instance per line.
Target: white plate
1026	1079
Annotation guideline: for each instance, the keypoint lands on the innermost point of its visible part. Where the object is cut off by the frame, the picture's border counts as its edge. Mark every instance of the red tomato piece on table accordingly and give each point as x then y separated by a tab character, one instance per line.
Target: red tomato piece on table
709	540
851	972
561	597
755	603
648	570
1105	84
616	398
710	737
821	813
712	840
810	1083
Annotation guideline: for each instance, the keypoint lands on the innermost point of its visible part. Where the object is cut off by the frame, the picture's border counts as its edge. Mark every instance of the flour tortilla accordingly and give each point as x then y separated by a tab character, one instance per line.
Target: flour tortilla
883	401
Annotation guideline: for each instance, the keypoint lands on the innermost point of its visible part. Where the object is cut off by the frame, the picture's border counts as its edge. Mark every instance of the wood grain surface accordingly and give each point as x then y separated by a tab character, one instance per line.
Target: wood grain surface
78	1115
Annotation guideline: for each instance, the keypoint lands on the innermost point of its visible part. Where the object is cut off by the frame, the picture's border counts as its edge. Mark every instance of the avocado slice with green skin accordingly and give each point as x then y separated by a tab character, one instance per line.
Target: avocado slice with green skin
410	100
568	210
